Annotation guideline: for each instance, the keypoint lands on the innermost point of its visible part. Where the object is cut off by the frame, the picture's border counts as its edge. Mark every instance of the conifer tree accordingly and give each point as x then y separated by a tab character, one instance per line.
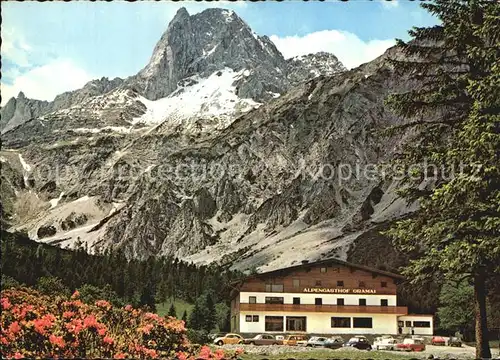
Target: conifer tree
211	313
196	319
171	311
454	118
185	318
147	297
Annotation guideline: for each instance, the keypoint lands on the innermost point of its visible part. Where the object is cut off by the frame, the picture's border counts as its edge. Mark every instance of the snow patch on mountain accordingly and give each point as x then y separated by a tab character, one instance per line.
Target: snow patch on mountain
197	97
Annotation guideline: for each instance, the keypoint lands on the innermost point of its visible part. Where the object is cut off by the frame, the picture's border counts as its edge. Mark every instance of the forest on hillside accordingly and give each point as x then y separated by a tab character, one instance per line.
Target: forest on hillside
113	277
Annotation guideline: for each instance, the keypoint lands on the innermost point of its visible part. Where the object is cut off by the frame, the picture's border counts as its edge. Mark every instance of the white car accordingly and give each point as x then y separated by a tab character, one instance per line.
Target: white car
385	343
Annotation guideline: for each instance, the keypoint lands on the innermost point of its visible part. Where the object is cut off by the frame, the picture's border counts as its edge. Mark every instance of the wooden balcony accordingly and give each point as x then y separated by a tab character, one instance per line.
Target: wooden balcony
347	309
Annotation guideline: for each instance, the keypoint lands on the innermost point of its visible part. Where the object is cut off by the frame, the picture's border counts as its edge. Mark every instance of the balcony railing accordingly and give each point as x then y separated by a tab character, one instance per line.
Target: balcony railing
355	309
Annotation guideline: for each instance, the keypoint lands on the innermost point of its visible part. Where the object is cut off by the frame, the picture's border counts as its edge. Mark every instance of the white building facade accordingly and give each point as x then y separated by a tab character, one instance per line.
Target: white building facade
328	297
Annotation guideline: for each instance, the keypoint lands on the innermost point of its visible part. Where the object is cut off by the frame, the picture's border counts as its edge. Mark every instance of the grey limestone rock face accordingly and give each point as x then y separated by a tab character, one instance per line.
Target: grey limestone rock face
306	67
207	42
255	192
19	110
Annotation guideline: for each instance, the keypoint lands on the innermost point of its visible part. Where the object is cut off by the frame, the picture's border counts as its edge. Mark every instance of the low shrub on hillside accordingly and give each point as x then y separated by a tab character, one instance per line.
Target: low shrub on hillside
36	325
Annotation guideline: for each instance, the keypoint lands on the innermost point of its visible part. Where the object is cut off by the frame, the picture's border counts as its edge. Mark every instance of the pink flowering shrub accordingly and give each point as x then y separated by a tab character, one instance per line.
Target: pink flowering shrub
34	325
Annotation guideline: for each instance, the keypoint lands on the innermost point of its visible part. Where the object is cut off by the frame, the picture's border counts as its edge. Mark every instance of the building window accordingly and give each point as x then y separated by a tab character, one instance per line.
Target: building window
362	302
323	270
362	284
341	322
295	323
340	283
252	318
407	323
296	283
422	324
401	323
274	300
383	284
296	301
384	302
318	301
318	283
340	302
252	299
274	287
365	323
273	323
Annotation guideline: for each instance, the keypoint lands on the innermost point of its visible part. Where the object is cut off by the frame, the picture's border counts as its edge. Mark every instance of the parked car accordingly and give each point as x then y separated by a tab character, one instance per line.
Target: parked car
228	339
359	342
415	344
454	341
263	339
316	341
215	336
294	340
438	340
385	343
334	342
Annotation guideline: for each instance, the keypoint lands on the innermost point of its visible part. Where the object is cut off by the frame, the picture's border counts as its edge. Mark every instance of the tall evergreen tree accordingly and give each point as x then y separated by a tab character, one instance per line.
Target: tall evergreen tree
197	317
211	312
454	117
185	318
147	297
171	311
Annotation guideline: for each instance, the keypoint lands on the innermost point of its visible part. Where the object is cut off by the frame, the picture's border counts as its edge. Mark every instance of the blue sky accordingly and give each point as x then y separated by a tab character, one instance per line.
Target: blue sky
53	47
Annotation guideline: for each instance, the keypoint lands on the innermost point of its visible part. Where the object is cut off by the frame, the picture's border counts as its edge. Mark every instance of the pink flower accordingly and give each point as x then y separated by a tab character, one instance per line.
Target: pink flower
101	331
119	356
103	304
150	352
108	340
75	326
205	352
90	321
68	314
128	308
18	355
219	354
6	303
14	328
146	329
181	356
57	341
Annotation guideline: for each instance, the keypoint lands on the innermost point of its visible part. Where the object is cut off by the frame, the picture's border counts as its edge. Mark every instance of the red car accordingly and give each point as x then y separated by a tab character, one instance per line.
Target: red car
411	345
438	340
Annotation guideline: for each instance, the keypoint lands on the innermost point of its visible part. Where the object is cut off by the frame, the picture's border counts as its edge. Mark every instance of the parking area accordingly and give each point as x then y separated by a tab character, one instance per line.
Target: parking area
299	352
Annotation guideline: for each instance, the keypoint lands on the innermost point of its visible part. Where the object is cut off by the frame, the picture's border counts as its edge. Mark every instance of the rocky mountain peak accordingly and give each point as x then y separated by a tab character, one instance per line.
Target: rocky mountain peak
206	42
180	15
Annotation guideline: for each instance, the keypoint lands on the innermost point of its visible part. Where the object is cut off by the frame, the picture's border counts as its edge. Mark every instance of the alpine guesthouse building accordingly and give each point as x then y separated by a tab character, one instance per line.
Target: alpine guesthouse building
324	297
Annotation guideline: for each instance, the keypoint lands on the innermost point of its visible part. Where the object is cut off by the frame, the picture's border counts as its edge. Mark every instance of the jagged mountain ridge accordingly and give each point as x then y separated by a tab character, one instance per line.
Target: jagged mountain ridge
129	186
193	49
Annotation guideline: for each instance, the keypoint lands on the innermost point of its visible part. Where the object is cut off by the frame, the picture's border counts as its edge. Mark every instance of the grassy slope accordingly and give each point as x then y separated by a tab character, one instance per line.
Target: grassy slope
180	306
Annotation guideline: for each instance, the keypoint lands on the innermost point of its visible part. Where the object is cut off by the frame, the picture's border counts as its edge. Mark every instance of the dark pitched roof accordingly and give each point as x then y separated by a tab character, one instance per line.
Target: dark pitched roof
321	262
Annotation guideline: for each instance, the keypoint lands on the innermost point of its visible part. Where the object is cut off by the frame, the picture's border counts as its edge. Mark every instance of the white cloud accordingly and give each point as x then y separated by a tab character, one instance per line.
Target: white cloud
46	81
349	49
390	4
15	48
